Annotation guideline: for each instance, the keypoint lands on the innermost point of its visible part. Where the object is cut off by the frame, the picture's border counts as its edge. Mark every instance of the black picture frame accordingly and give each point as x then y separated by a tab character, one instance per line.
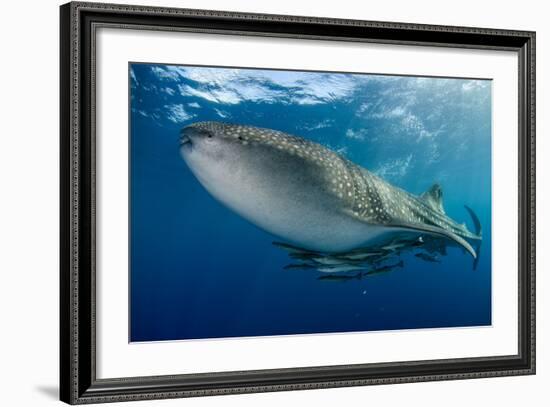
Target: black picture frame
78	382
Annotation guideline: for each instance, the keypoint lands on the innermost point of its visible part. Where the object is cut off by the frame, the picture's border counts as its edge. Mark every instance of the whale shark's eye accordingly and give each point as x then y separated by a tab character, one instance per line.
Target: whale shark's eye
240	138
210	135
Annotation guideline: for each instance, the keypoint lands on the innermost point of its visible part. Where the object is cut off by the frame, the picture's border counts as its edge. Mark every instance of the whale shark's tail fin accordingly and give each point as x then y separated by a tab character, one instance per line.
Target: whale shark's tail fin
478	231
475	220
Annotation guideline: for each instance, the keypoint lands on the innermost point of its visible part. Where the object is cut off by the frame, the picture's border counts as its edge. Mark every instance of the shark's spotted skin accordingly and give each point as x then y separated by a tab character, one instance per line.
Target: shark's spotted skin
303	192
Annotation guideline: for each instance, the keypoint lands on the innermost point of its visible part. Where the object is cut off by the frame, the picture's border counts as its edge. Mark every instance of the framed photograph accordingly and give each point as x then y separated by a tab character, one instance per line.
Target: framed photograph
256	203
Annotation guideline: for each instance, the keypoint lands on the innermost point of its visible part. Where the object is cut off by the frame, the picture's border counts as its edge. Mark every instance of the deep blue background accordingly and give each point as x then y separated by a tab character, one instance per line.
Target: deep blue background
199	271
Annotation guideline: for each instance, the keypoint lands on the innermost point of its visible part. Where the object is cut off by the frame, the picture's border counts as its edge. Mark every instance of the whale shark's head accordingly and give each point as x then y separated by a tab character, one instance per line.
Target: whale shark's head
220	154
231	161
237	155
213	144
212	141
282	183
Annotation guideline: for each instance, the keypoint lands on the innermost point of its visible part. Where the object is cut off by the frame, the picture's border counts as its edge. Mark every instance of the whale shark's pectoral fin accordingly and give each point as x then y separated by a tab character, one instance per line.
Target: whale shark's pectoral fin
432	230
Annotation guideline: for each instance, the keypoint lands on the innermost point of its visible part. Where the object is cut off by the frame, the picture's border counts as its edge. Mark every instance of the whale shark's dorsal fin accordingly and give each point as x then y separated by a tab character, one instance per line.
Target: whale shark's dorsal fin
434	198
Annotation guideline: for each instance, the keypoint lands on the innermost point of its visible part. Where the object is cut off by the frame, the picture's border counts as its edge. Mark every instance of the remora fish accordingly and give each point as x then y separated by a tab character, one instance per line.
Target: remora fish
296	266
427	257
332	277
361	256
385	269
333	261
340	268
307	194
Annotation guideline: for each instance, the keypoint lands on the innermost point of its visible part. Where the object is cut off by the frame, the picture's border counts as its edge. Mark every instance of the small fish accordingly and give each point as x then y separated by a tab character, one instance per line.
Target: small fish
393	246
437	248
379	259
327	260
361	256
385	269
331	260
302	255
332	277
292	249
418	242
340	268
427	257
299	266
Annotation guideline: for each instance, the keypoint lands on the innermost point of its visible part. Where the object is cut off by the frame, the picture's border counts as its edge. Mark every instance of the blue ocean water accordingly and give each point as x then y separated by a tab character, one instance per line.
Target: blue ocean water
198	270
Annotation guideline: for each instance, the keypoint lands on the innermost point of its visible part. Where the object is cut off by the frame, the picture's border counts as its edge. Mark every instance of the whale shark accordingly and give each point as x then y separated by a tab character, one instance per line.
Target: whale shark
311	196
